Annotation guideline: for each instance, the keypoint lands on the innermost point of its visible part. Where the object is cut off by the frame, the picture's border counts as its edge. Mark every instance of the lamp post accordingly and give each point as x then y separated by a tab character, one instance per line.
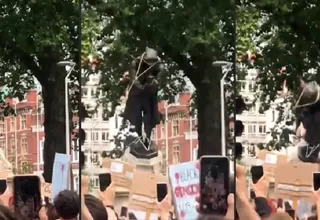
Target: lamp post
66	89
222	99
166	107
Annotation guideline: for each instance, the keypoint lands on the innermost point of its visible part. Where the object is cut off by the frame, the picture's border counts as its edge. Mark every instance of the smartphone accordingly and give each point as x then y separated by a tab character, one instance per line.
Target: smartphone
214	184
316	181
162	191
26	196
252	194
280	203
124	211
287	205
291	212
256	173
104	181
3	186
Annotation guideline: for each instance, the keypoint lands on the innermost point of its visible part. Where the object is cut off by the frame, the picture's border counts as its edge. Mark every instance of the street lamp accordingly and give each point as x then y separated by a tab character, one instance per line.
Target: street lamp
166	107
222	99
66	89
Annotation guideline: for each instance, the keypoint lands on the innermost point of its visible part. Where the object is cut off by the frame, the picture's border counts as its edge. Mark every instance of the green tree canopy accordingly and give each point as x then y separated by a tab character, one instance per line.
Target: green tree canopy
34	37
287	36
189	35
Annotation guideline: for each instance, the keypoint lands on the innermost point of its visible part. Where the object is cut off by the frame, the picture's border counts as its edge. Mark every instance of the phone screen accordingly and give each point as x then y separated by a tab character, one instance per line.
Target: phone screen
3	186
104	181
124	211
162	191
256	173
252	194
291	212
214	185
280	203
27	196
316	181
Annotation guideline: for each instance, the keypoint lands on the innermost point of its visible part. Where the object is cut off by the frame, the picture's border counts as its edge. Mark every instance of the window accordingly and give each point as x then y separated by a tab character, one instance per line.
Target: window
273	115
251	86
24	145
93	93
243	86
12	148
84	92
41	147
253	108
76	183
195	154
23	121
105	135
116	124
94	158
175	128
262	129
94	136
251	129
12	124
162	134
2	128
176	154
3	145
75	155
94	182
153	134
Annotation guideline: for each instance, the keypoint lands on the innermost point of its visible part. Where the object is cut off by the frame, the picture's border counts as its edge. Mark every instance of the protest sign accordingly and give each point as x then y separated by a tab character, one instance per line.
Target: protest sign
46	189
121	172
184	179
61	170
294	181
142	198
270	162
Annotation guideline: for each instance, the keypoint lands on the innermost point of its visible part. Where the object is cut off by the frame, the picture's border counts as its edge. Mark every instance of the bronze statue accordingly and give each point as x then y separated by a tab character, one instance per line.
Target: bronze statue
308	119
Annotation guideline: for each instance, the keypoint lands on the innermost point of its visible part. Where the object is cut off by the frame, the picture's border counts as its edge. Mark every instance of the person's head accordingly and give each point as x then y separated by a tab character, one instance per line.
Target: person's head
51	212
6	213
96	208
67	204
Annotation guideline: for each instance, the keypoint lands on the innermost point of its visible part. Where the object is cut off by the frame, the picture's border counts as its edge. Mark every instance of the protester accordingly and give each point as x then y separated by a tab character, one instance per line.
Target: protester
66	204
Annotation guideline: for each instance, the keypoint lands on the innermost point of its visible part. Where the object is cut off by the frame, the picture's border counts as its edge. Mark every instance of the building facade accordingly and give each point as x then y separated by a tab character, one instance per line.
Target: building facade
176	136
257	125
22	136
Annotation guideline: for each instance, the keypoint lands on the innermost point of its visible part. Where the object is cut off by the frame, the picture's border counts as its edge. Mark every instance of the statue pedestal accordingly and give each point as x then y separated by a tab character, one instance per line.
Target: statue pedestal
152	165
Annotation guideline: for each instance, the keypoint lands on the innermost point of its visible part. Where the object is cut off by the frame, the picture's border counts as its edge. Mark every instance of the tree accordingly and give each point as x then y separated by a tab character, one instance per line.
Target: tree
288	37
190	36
34	37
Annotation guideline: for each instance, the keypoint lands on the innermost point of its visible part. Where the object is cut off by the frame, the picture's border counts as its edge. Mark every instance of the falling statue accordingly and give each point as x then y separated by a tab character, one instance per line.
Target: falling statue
308	123
141	113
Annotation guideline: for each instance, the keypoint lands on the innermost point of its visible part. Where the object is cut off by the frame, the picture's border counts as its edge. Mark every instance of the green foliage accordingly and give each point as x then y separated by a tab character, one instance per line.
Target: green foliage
34	37
287	35
188	35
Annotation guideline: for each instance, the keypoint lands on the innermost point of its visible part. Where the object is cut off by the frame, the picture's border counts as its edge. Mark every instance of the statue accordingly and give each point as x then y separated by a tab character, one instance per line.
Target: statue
141	113
308	122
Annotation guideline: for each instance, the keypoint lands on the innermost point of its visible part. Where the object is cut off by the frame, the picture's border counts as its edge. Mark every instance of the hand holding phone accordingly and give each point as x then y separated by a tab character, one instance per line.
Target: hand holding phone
256	173
214	185
104	181
162	191
26	196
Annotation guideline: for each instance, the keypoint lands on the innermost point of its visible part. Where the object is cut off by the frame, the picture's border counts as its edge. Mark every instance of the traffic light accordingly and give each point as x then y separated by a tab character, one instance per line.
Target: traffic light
240	106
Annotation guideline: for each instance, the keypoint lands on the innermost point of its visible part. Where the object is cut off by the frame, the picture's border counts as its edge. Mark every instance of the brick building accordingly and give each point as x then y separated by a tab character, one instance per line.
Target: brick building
182	144
18	135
